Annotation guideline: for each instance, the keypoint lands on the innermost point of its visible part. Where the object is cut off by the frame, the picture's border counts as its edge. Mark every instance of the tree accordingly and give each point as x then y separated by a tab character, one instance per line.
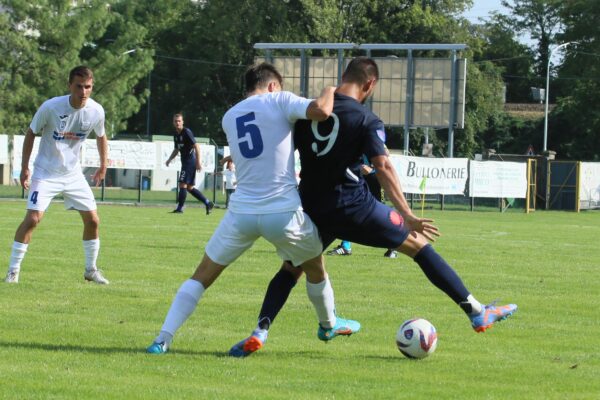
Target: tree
514	58
47	38
199	61
573	127
540	19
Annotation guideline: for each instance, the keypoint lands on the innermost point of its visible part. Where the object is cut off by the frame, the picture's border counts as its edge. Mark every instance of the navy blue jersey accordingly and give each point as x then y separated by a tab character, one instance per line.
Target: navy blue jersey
333	191
184	142
331	152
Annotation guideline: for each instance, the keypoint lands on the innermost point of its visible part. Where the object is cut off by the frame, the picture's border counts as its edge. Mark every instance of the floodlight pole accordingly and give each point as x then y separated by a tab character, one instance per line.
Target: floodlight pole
149	93
410	94
548	91
148	106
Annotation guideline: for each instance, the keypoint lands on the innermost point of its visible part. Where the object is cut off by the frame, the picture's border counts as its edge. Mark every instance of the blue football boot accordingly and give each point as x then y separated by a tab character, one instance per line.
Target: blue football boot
344	327
157	348
249	345
491	314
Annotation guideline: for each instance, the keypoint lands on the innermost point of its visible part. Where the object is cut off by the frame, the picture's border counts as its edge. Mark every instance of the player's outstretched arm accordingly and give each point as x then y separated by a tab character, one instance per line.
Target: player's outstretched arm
26	155
389	181
321	108
102	143
198	160
225	159
172	156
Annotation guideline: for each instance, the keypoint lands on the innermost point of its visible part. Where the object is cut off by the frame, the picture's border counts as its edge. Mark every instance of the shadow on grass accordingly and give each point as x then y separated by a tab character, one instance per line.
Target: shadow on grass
102	350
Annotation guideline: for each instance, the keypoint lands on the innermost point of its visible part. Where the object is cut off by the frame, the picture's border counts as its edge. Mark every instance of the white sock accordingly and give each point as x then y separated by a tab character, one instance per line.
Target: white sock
476	307
184	304
91	249
321	295
16	256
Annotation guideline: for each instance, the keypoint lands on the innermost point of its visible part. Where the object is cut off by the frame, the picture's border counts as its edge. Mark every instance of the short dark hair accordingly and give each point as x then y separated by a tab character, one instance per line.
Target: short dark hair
259	76
82	71
360	70
178	115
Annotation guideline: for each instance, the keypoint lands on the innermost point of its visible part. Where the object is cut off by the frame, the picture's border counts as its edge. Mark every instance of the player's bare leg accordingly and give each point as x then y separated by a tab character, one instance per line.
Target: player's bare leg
277	294
20	244
185	302
321	295
91	247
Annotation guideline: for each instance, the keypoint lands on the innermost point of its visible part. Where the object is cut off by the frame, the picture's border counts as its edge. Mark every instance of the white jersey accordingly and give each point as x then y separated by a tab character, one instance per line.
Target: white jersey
230	179
259	132
63	130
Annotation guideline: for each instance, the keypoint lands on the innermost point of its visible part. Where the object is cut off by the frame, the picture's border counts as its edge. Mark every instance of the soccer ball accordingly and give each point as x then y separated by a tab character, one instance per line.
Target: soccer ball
416	338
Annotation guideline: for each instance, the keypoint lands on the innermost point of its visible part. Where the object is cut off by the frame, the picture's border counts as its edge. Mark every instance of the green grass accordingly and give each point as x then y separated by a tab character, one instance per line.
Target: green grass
120	195
63	338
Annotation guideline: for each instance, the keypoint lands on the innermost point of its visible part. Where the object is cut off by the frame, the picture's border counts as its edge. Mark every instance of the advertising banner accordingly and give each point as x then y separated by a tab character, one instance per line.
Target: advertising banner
207	157
18	154
499	179
121	154
589	185
425	175
3	149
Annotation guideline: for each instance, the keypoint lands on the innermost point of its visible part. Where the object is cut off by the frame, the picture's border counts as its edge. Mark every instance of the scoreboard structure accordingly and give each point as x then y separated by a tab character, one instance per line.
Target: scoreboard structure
413	92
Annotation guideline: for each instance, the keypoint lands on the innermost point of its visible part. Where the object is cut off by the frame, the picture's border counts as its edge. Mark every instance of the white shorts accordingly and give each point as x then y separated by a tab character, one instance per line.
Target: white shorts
74	188
293	234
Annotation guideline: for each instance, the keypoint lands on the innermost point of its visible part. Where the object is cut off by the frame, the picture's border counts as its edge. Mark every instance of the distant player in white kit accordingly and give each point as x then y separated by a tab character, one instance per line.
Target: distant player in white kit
266	202
64	123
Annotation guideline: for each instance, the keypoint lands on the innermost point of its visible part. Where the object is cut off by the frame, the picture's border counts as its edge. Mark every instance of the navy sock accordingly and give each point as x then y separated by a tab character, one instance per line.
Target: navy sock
441	274
197	194
181	199
277	293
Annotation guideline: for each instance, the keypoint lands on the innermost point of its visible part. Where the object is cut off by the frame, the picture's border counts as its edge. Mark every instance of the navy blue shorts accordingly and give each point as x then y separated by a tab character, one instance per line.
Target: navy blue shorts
188	173
371	224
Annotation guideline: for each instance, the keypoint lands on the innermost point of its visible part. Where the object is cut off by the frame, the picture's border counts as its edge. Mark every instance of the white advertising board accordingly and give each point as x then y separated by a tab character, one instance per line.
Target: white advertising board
165	149
207	157
431	175
3	149
121	154
498	179
589	185
18	154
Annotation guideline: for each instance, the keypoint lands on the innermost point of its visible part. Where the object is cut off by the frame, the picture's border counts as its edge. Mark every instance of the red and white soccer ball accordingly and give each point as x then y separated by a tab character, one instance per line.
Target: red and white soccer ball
416	338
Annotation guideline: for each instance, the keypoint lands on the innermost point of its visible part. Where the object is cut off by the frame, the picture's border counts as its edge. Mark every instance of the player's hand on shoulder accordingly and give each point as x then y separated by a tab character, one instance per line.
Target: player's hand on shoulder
365	169
423	226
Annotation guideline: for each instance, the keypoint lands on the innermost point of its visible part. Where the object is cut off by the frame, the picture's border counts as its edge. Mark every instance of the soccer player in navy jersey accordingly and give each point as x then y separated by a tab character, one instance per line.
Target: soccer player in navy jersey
335	196
265	204
186	146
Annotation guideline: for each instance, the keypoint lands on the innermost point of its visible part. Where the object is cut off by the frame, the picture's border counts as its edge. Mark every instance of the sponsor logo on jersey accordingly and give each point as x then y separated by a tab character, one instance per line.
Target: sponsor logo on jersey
68	135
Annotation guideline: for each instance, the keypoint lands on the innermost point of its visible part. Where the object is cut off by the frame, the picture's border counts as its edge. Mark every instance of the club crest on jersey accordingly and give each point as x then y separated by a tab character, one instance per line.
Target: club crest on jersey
396	218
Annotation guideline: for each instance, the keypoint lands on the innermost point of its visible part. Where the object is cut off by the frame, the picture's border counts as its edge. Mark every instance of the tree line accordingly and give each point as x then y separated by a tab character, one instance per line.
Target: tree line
156	57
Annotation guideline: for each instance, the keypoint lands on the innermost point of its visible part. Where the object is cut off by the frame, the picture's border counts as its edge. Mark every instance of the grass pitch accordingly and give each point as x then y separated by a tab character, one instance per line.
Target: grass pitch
63	338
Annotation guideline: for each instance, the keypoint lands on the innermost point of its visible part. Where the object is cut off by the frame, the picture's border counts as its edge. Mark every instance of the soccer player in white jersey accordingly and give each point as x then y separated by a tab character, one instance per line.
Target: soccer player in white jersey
265	204
64	123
